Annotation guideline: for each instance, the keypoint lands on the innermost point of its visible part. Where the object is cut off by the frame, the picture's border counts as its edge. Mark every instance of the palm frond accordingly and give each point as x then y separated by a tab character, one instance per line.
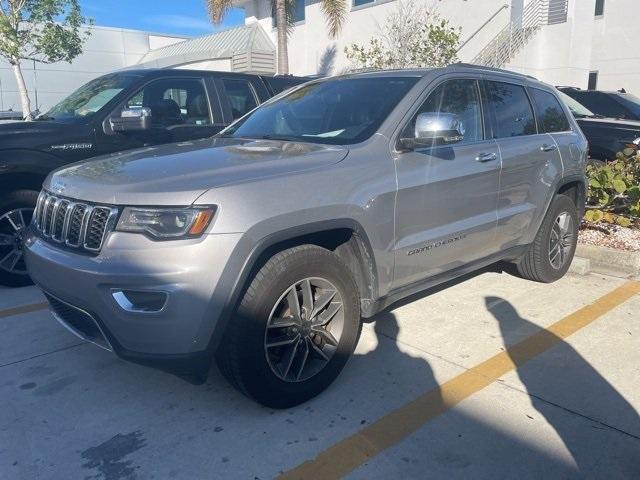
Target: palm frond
218	9
335	14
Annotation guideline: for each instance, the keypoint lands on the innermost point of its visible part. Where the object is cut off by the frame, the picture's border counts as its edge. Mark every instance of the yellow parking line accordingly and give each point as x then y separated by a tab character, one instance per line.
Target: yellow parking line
352	452
32	307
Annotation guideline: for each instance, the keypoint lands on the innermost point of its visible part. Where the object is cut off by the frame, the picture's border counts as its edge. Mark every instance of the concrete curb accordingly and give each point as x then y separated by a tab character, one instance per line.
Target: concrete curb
609	261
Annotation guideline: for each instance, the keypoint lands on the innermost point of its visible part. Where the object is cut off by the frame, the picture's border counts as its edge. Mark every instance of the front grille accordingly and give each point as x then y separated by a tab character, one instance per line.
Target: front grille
78	321
74	224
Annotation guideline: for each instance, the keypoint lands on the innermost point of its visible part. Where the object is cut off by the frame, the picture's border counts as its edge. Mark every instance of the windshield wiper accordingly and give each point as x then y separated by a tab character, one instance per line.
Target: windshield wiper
283	138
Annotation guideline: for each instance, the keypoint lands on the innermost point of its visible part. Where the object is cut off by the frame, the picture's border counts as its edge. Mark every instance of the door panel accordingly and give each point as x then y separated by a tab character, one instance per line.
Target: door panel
528	171
446	209
447	193
530	162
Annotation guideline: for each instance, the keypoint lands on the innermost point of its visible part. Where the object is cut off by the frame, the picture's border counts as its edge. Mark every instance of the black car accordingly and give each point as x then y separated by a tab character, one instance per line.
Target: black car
618	104
119	111
606	136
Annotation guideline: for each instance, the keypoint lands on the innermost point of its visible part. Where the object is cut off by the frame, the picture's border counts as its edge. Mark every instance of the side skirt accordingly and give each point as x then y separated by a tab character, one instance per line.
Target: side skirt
398	294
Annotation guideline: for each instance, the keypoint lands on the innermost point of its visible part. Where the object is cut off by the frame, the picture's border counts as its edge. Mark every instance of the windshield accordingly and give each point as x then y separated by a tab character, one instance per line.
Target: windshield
90	98
337	112
577	109
630	101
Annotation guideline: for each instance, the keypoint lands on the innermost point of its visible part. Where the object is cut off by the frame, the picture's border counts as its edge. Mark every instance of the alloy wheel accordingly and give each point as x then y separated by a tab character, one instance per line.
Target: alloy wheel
561	240
13	225
304	329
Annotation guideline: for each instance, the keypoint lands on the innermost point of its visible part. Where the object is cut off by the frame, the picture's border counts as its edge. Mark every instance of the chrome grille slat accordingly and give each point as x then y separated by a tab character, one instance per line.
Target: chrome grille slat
75	224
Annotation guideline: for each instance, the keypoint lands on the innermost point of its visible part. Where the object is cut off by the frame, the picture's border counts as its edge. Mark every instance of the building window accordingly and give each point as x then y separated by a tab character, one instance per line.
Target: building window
593	81
297	12
599	8
357	3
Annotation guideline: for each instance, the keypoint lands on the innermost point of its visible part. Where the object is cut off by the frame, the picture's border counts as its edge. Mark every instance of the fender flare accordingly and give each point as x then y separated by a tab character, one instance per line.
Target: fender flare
261	249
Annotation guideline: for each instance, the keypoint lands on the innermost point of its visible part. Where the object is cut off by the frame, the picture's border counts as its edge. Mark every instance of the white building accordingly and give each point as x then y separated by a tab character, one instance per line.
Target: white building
106	50
562	42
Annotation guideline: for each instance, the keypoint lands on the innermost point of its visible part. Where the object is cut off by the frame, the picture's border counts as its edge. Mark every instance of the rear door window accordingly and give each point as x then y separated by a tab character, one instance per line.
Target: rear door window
511	110
551	116
240	96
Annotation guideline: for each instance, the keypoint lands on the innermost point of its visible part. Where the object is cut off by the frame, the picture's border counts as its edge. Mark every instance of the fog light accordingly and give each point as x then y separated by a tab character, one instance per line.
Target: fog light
140	301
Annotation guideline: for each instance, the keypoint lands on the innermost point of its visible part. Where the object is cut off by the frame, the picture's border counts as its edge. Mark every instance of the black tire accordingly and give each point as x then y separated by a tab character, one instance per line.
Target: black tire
19	199
242	358
536	264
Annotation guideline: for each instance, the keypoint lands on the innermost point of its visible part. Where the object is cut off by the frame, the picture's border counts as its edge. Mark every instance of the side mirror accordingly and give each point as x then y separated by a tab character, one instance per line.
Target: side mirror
435	129
132	120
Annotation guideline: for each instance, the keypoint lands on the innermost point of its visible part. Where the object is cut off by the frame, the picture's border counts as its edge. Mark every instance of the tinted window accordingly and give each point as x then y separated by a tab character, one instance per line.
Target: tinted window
280	84
174	101
551	116
461	98
631	102
338	111
512	110
600	103
599	8
295	10
240	96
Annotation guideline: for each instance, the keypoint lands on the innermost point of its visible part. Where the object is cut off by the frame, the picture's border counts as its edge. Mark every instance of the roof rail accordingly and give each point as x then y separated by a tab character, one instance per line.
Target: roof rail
568	86
491	69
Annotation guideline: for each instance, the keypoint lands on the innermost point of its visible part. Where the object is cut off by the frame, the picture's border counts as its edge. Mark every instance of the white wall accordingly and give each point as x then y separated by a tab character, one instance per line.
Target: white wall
217	65
106	50
310	41
616	46
561	54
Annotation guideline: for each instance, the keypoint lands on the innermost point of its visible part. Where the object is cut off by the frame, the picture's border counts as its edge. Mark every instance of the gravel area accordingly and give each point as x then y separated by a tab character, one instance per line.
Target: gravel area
611	236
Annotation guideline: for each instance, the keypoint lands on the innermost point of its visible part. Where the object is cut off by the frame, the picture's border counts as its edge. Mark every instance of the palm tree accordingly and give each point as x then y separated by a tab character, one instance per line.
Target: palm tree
335	12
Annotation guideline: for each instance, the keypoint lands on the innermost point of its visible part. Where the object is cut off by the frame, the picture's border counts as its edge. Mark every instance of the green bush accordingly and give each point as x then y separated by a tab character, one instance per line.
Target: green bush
614	190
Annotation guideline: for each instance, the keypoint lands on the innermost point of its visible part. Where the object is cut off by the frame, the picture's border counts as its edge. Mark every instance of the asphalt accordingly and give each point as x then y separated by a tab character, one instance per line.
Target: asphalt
69	410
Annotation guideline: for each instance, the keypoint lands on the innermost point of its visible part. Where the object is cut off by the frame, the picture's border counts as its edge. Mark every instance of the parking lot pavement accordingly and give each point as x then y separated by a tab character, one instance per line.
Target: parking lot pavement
70	410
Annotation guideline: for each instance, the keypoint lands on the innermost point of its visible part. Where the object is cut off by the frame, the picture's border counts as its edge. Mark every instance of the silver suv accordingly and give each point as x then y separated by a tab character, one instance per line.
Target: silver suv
264	246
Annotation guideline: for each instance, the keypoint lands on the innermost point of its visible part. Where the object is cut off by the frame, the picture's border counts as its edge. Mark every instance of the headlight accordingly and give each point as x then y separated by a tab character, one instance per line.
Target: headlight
165	223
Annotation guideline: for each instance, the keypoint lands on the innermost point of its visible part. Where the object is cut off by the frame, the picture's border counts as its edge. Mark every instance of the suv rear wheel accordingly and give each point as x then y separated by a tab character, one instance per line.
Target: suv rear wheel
551	252
16	209
297	325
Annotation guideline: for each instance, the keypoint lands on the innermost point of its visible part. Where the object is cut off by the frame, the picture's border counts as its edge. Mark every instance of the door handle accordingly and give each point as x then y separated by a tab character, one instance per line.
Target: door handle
548	147
486	157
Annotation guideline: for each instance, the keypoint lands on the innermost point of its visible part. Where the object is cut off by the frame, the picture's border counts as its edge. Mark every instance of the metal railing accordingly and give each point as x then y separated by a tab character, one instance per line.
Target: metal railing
513	37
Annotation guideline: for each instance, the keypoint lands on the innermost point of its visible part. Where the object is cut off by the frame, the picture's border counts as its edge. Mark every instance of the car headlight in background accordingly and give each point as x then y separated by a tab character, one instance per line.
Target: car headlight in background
165	223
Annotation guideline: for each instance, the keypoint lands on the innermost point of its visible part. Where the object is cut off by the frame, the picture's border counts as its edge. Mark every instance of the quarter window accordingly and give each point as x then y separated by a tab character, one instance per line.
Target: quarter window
511	109
551	116
240	96
459	97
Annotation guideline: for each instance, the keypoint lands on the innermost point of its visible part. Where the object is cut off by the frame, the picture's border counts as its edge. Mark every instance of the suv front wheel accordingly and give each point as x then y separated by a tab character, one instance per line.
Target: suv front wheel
297	325
551	252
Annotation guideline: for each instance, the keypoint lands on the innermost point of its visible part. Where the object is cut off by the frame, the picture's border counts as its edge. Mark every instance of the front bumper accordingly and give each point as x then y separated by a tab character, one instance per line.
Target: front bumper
188	271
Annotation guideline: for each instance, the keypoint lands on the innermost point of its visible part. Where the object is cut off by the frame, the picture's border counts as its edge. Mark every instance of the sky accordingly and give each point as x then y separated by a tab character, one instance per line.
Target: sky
186	17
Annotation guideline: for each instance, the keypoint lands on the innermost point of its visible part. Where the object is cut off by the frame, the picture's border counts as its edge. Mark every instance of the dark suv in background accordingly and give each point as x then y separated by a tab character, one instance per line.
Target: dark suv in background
618	104
115	112
606	136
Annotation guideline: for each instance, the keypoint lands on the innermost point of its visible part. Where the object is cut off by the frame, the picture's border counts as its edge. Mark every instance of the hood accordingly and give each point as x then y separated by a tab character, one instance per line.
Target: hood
32	135
177	174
